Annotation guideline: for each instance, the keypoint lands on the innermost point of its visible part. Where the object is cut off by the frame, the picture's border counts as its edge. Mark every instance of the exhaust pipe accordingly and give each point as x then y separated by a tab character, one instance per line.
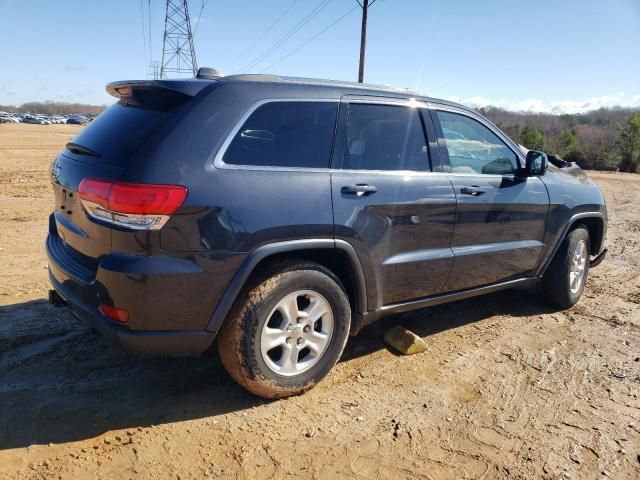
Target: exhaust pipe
55	299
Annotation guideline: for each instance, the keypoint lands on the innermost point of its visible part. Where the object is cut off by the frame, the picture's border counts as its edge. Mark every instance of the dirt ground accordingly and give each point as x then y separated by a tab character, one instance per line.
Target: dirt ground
508	388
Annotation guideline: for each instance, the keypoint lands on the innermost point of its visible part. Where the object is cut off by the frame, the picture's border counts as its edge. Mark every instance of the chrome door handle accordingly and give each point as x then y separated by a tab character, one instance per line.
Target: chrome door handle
360	189
474	190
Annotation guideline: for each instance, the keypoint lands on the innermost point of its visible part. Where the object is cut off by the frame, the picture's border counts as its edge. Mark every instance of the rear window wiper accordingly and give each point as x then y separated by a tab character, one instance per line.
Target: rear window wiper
80	150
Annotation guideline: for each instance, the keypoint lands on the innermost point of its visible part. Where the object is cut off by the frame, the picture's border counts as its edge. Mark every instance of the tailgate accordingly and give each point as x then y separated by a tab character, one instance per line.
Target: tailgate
103	150
73	226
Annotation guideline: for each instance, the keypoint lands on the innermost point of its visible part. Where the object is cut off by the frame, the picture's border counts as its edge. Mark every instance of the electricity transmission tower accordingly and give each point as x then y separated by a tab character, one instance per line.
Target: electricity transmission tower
153	70
178	52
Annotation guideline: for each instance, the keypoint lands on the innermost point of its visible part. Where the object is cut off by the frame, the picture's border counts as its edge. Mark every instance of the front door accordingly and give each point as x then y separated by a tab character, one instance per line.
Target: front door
500	218
387	203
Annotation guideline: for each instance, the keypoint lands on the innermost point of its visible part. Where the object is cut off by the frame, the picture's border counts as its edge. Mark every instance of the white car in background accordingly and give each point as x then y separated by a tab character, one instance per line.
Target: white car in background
8	118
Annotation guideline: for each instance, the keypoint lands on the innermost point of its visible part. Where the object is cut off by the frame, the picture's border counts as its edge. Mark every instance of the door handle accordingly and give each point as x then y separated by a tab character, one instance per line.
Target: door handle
360	189
474	190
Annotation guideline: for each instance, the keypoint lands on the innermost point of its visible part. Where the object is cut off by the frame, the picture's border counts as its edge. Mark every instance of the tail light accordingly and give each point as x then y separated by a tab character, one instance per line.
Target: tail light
138	206
117	314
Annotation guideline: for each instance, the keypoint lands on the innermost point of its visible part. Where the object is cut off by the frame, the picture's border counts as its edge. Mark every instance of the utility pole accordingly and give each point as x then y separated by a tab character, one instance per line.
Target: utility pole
364	4
363	38
178	52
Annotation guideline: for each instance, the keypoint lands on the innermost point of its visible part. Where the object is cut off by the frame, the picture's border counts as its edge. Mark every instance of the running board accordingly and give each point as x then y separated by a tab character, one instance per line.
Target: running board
370	317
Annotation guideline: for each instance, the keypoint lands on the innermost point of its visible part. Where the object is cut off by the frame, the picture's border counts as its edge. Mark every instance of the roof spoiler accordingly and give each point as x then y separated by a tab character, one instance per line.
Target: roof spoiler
189	88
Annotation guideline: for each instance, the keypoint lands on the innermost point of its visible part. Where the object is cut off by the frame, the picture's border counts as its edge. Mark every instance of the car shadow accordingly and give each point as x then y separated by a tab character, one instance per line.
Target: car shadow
433	320
60	381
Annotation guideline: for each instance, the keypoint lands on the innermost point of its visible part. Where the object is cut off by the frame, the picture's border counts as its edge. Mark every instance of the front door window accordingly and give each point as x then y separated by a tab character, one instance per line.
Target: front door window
473	148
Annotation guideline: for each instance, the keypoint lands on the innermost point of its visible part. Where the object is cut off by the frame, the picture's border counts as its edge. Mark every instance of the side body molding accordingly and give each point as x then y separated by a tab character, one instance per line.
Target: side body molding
259	254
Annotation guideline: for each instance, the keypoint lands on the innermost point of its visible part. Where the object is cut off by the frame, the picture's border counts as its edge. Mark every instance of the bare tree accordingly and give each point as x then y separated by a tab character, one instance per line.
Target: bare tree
598	144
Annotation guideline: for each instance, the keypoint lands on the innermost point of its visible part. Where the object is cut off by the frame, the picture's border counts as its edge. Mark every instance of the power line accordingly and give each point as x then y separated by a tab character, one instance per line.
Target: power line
288	35
199	17
153	68
309	40
263	33
149	17
370	3
144	33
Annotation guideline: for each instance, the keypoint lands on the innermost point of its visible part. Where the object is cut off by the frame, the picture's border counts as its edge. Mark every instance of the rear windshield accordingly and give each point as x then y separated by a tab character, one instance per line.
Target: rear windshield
118	132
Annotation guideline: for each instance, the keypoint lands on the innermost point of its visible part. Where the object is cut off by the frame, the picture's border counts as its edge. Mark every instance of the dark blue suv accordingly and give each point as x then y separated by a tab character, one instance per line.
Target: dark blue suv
278	215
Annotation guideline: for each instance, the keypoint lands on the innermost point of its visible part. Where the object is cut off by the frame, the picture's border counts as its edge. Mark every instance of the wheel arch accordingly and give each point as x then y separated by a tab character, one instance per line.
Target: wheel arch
595	224
337	255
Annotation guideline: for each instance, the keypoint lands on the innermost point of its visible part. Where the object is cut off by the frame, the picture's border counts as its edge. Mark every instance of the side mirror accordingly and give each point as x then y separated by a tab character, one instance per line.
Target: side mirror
536	163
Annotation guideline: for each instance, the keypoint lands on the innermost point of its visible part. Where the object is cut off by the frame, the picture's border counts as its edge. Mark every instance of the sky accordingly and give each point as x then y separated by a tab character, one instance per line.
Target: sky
549	56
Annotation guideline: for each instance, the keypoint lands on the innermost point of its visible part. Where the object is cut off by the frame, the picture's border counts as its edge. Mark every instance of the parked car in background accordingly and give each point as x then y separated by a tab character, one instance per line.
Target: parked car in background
278	215
32	119
78	120
8	118
42	119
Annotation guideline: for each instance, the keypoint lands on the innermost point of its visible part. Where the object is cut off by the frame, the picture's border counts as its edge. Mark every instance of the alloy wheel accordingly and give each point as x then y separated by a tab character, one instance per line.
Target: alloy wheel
578	267
297	332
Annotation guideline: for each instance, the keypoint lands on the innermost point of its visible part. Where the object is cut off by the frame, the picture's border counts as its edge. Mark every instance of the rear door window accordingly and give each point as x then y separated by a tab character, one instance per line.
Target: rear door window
285	134
385	137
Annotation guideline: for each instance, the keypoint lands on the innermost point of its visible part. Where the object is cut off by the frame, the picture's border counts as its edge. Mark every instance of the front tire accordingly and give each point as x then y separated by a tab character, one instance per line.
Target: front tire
564	280
286	331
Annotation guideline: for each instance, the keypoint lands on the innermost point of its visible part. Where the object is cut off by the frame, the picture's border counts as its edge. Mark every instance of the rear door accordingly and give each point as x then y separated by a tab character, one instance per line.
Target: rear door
500	220
388	203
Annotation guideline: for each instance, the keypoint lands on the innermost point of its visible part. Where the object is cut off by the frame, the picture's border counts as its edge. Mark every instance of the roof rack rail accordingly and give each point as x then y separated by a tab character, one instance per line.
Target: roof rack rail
265	77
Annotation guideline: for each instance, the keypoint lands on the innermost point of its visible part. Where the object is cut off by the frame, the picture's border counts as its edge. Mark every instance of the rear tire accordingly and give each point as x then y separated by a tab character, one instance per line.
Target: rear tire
271	353
564	280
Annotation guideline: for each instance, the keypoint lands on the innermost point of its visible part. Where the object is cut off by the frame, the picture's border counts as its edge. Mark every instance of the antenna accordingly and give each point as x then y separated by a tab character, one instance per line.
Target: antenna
178	52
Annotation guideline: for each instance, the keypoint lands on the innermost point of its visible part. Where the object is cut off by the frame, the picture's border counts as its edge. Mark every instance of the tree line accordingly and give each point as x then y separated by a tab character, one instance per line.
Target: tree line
604	139
54	108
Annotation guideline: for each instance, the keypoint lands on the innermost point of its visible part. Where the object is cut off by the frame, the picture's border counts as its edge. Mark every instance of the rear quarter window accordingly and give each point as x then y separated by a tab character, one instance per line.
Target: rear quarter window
285	134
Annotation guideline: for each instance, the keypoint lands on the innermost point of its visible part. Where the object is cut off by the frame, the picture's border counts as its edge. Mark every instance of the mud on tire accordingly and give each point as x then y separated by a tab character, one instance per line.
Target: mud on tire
557	280
262	311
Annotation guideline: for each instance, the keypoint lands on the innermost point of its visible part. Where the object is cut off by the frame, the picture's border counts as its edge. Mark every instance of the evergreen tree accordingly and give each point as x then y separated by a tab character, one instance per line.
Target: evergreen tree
567	141
532	138
629	144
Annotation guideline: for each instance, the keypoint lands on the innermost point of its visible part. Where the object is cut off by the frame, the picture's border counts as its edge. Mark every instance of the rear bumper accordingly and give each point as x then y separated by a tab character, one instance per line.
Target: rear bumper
83	297
165	343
